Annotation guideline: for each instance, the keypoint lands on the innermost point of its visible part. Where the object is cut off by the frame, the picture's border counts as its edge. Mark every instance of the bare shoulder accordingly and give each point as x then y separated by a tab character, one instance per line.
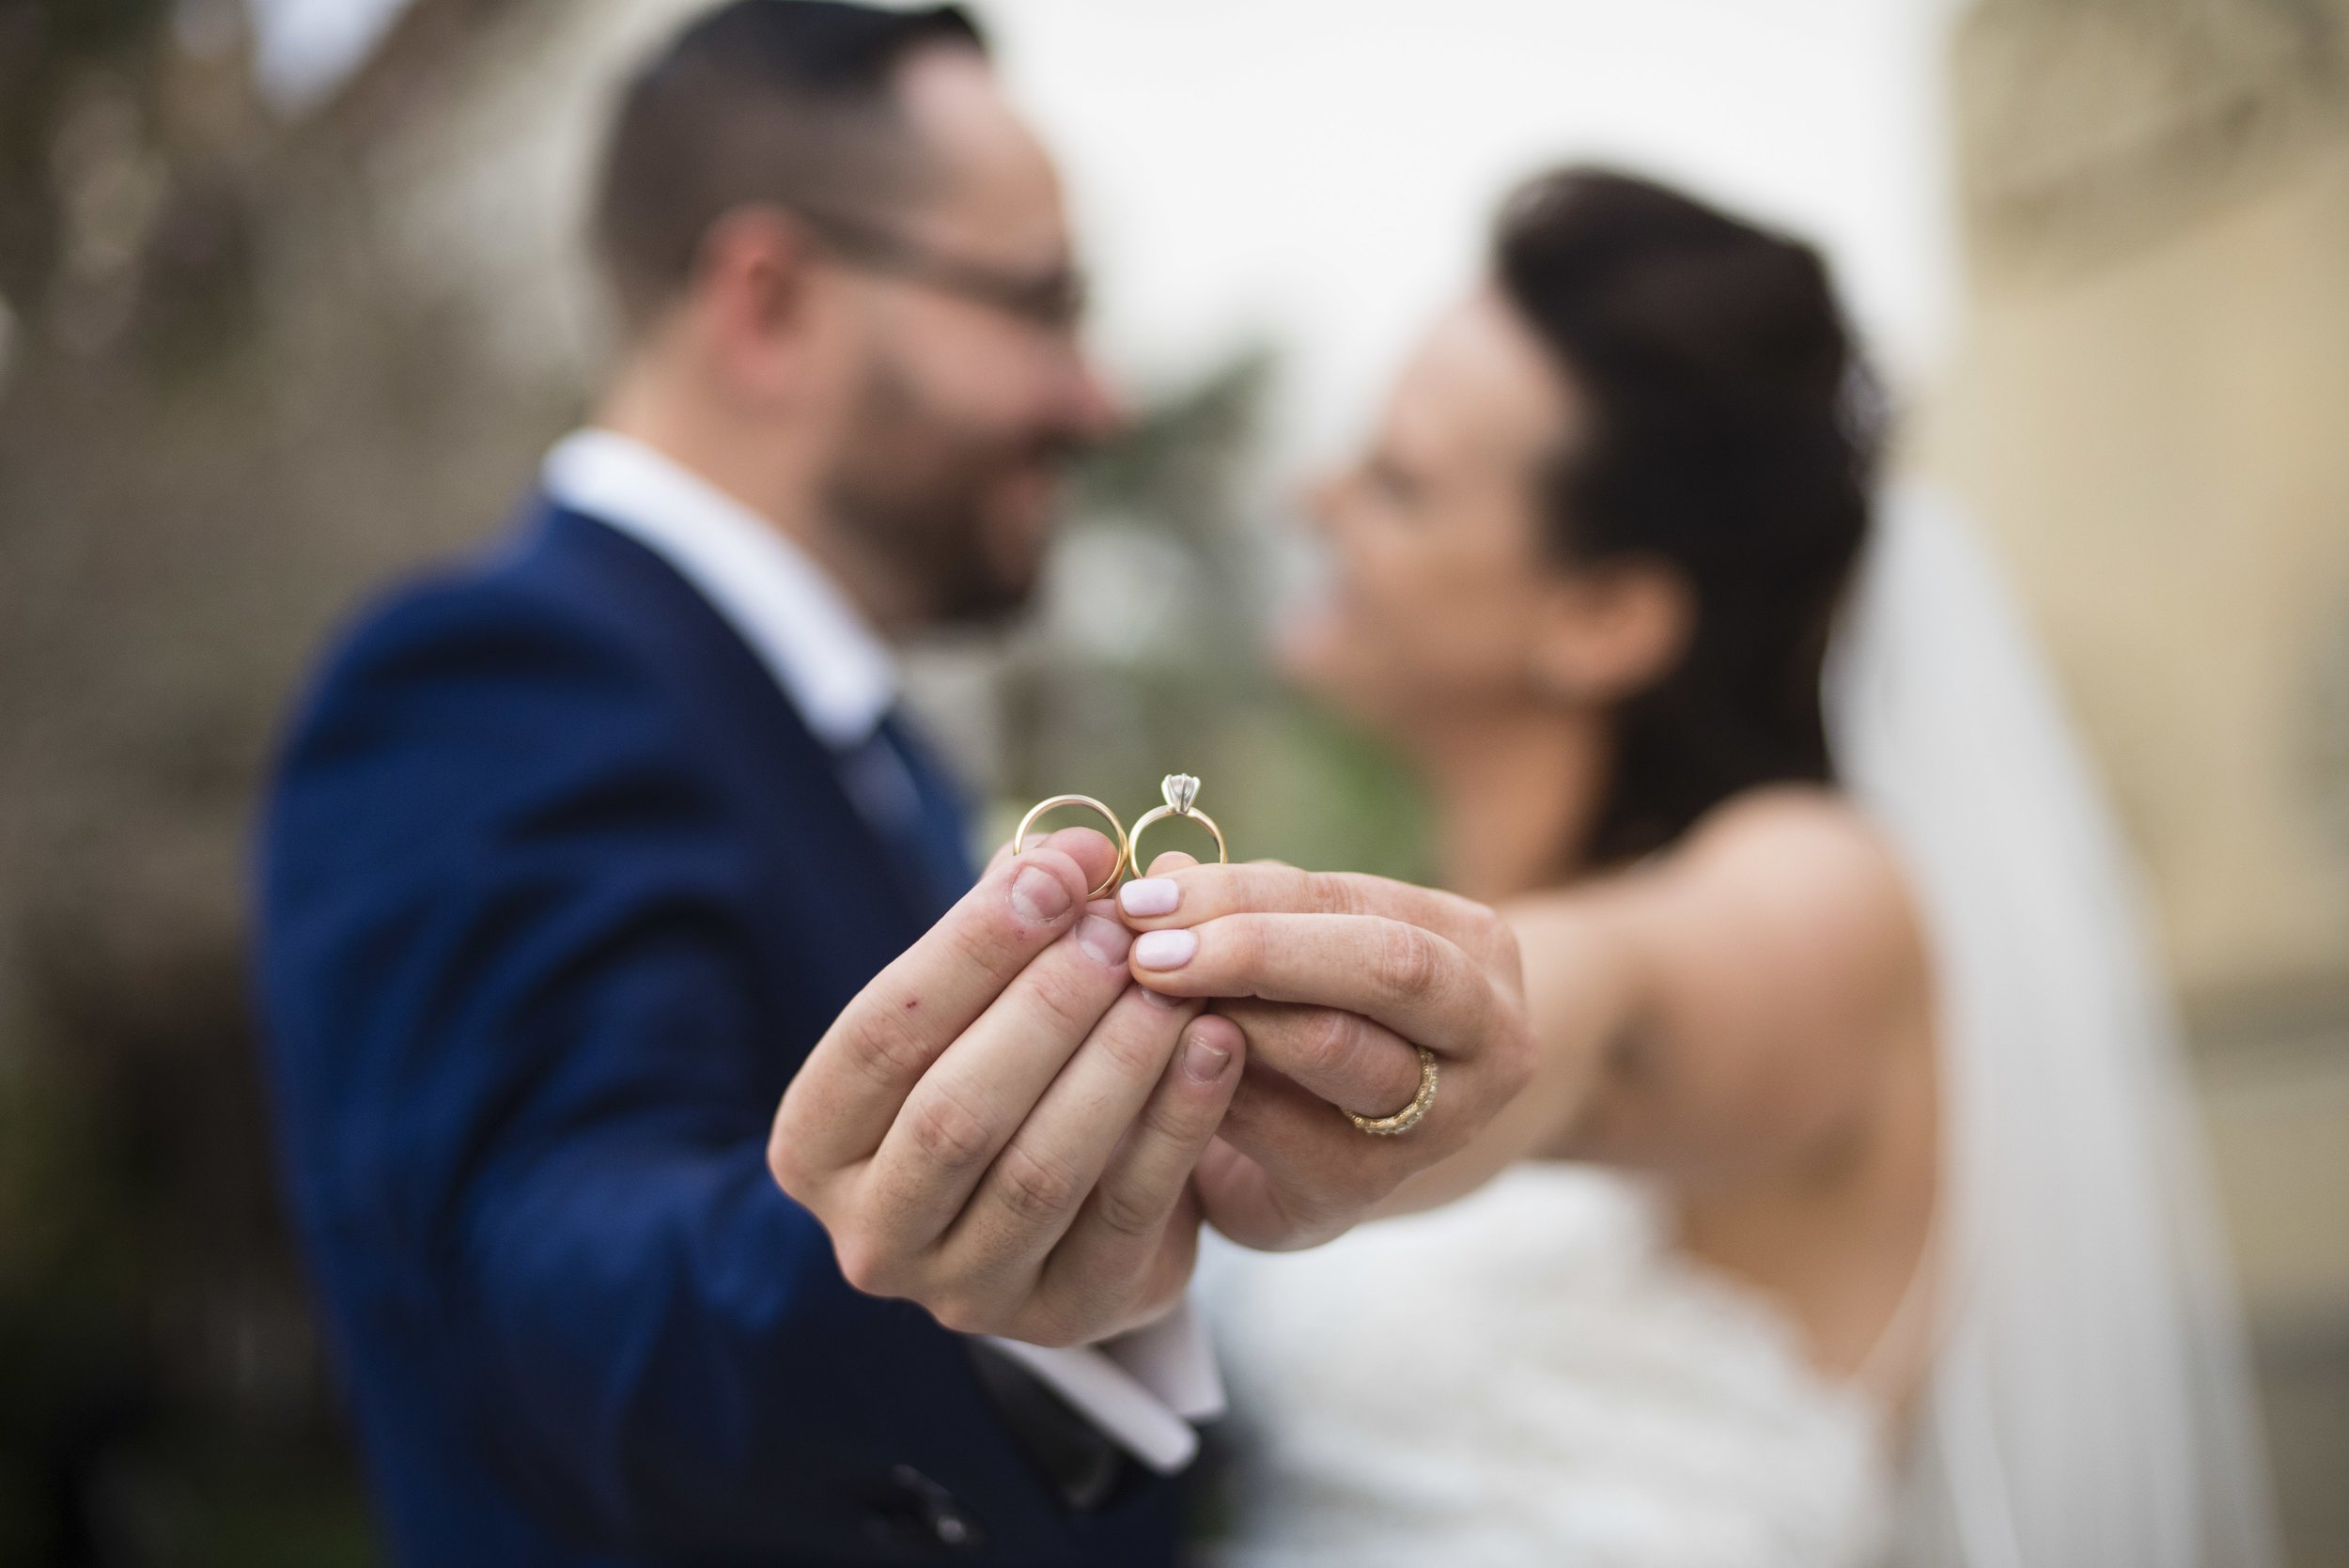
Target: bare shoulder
1803	872
1793	840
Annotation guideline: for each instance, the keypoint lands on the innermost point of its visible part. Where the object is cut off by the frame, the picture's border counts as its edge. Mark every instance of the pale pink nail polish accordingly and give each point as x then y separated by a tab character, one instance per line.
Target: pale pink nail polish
1165	950
1104	939
1150	896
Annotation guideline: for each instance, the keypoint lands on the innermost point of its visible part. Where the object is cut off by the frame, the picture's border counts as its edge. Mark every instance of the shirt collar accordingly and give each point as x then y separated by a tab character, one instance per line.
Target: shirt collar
826	655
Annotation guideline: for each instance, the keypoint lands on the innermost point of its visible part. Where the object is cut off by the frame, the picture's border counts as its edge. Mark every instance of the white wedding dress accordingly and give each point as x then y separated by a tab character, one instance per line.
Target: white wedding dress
1532	1375
1535	1376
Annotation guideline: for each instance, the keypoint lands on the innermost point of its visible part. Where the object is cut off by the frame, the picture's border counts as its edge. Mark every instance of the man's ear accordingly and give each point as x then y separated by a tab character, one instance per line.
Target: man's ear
1612	630
752	298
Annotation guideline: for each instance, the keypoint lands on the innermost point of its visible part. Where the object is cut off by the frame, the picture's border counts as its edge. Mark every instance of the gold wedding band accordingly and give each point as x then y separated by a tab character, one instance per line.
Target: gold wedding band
1020	839
1408	1117
1179	791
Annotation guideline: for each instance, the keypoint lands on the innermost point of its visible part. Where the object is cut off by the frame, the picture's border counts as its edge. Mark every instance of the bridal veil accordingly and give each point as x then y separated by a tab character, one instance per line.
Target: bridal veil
2090	1406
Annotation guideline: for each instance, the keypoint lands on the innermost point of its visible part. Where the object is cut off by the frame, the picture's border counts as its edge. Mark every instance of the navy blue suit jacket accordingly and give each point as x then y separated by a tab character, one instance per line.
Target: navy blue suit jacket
557	893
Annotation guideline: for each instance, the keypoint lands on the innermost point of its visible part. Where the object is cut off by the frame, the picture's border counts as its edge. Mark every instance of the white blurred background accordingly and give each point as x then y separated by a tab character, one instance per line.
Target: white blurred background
1319	173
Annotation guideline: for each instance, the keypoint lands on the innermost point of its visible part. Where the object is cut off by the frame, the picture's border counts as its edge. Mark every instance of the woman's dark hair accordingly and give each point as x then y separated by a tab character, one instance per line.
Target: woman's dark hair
1733	438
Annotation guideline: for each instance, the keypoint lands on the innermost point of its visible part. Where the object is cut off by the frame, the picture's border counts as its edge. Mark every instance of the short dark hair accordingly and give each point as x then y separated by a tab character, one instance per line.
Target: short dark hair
1735	434
787	102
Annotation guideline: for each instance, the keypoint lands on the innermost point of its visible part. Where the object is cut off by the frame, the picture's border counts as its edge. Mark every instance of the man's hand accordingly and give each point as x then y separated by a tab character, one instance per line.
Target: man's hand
1333	980
1001	1125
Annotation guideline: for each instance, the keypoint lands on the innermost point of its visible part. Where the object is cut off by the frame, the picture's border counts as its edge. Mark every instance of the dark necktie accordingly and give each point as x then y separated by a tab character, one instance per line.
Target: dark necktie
918	810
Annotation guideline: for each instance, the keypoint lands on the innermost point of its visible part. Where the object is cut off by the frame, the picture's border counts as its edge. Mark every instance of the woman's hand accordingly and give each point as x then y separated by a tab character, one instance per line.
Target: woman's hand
1336	979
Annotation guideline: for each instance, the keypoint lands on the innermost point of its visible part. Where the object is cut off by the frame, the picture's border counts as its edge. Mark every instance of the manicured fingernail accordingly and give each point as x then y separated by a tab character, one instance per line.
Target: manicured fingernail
1204	1060
1039	896
1105	940
1165	950
1150	896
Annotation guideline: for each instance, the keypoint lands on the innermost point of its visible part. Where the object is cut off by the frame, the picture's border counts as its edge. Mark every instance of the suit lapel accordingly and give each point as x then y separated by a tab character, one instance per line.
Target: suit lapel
793	792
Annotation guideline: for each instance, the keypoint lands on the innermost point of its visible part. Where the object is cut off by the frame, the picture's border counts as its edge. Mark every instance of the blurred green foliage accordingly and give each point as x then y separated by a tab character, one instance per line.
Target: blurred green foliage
1196	694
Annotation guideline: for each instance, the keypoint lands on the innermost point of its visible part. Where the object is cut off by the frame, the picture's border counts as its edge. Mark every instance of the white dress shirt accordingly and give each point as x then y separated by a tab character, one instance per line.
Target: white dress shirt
1144	1389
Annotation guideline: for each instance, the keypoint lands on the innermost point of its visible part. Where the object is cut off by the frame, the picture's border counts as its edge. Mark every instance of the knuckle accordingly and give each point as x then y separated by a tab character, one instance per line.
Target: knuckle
1124	1212
1050	1323
1170	1271
1504	944
889	1054
1497	940
1331	893
866	1267
782	1163
1317	1211
947	1132
1177	1119
1408	963
961	1312
1333	1040
1139	1054
1247	945
1035	1188
1067	1003
1459	908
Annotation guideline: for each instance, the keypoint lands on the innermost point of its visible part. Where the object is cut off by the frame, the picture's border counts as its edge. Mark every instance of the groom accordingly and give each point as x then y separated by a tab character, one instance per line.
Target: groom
585	852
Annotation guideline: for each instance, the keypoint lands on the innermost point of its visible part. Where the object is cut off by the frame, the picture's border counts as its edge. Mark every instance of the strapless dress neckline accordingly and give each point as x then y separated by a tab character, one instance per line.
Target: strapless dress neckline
1532	1375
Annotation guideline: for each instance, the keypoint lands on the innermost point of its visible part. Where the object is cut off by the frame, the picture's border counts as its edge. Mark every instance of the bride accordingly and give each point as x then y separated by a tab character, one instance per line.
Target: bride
1850	1218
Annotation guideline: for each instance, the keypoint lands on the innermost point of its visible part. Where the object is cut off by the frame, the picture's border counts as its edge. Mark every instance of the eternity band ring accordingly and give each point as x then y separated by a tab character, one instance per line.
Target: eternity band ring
1408	1117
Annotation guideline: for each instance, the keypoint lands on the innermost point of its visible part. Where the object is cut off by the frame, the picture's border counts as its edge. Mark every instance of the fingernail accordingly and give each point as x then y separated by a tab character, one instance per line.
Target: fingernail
1105	940
1165	950
1204	1060
1039	896
1150	896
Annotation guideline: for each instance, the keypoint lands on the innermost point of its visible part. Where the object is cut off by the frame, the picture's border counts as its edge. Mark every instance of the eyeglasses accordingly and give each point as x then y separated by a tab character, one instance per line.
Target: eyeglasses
1053	301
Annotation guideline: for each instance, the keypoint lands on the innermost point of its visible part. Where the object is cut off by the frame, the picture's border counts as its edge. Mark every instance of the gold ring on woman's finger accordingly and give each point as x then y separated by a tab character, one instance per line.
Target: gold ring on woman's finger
1408	1117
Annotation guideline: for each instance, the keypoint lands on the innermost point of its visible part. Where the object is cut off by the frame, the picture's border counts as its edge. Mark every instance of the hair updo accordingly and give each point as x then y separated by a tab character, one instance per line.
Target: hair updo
1733	438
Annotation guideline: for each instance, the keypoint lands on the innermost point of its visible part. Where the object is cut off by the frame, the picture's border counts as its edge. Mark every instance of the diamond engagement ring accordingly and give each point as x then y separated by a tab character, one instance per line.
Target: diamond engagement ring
1181	792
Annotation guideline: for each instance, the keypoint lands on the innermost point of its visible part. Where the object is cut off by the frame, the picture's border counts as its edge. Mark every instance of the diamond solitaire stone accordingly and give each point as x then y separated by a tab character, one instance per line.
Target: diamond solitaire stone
1180	790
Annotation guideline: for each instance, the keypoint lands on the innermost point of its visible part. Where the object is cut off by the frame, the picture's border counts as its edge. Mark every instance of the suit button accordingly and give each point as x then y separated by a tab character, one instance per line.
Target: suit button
918	1512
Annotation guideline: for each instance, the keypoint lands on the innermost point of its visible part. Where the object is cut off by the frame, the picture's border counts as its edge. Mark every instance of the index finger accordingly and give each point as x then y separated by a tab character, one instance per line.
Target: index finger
1418	984
1191	894
845	1095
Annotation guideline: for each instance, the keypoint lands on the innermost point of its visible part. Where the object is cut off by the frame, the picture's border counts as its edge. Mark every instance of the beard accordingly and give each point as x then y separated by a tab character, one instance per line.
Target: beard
959	517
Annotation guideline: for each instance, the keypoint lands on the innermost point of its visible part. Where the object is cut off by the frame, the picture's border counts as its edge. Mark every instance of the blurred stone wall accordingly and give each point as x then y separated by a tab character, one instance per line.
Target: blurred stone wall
229	403
2150	411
